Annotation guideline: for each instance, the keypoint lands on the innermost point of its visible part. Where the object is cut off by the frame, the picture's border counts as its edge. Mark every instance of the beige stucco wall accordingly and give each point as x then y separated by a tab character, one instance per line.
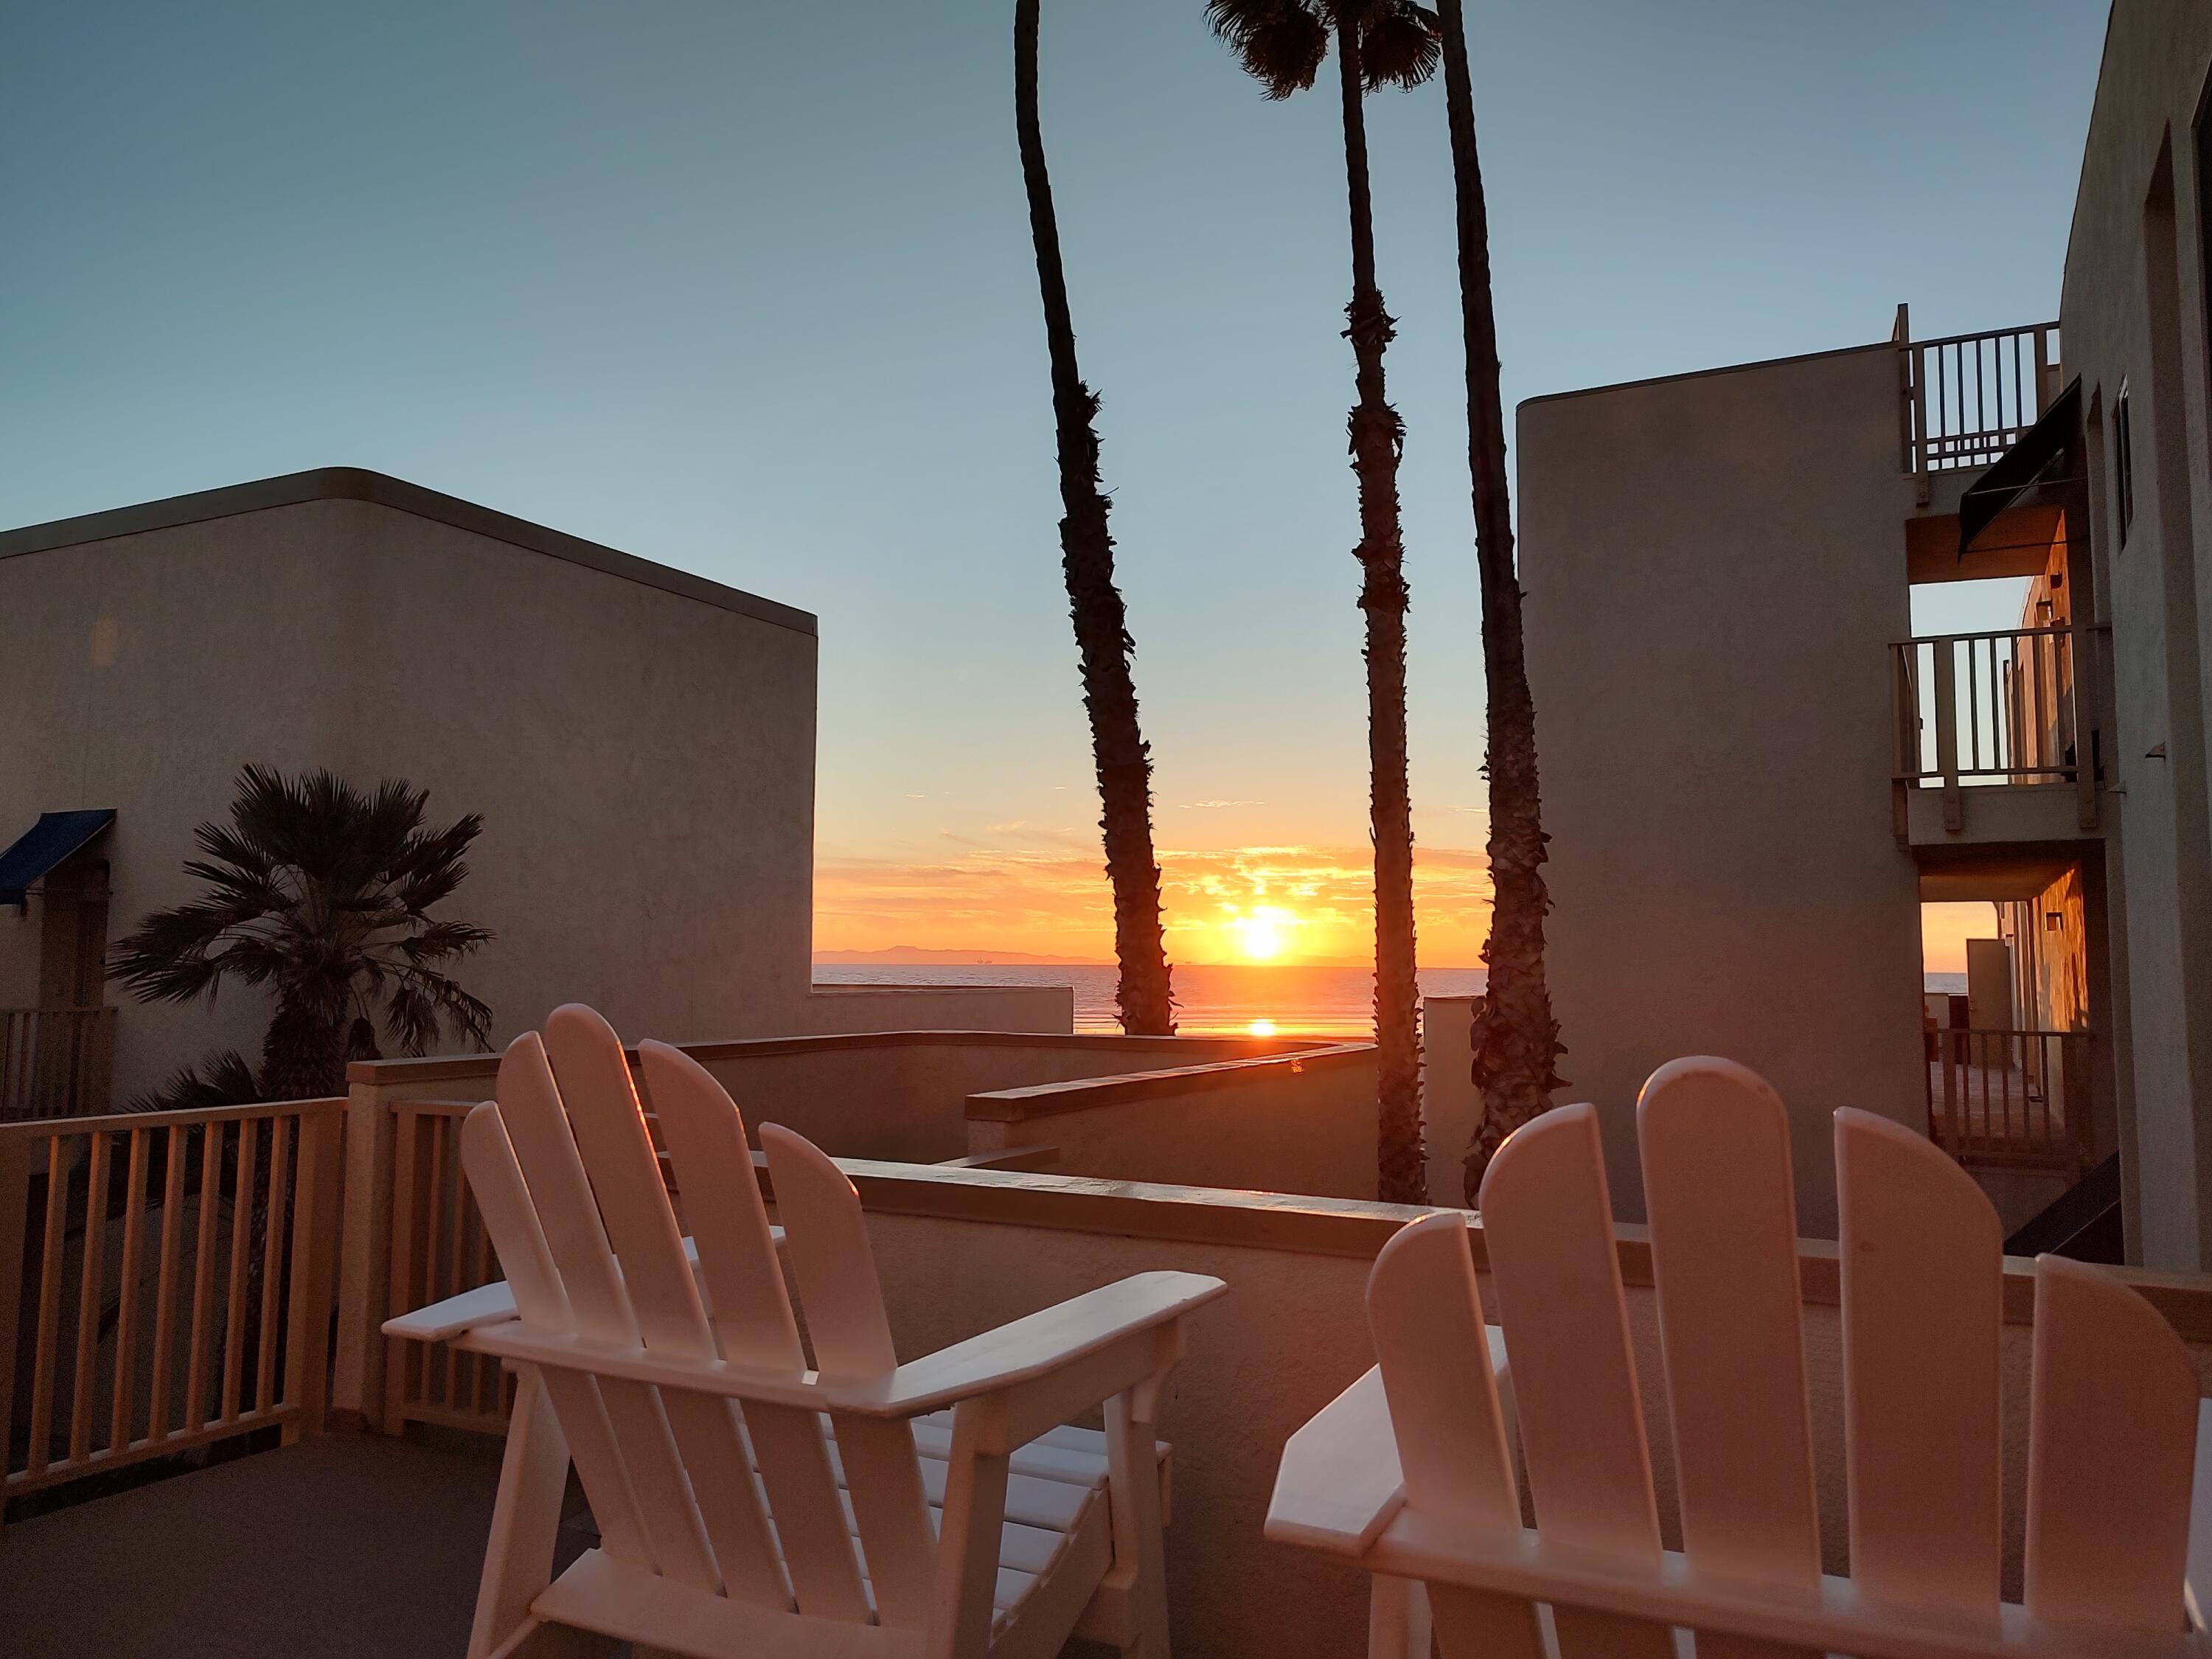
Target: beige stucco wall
1714	567
1450	1108
1301	1124
1044	1008
2133	311
643	759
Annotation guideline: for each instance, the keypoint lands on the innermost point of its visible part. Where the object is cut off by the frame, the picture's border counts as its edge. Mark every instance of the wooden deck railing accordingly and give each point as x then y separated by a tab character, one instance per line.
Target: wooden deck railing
438	1248
54	1062
1967	397
175	1269
2011	1099
1992	708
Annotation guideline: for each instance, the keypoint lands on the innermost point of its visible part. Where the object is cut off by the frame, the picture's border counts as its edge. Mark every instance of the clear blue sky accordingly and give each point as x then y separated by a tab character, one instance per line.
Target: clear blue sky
747	290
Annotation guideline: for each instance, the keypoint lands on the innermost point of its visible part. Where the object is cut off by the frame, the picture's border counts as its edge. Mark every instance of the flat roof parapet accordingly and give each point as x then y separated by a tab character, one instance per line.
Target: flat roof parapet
353	484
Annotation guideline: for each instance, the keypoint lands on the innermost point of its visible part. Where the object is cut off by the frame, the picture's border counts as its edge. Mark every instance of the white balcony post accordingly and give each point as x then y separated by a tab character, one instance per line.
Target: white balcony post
1947	730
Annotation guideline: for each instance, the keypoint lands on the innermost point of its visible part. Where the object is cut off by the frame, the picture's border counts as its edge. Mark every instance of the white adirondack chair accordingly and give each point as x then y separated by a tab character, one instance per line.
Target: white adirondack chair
2117	1434
747	1504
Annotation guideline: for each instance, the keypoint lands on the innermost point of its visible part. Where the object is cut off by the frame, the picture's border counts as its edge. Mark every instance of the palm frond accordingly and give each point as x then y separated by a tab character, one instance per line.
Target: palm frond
1280	43
421	1002
323	892
1399	44
222	1077
443	940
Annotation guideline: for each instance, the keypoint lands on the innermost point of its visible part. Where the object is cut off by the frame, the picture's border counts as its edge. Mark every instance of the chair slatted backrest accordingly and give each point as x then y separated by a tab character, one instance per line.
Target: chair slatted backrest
1923	1309
565	1171
1722	1208
706	1144
1558	1281
2114	1396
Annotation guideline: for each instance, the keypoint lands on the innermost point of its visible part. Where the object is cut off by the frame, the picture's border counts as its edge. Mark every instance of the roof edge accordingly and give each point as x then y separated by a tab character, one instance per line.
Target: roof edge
1702	373
353	484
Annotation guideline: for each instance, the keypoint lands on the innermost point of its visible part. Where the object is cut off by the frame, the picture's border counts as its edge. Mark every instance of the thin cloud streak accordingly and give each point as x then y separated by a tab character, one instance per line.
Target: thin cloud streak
1055	899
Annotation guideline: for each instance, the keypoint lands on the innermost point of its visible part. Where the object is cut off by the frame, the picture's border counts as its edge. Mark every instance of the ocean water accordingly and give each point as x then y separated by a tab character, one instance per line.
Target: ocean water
1209	998
1213	997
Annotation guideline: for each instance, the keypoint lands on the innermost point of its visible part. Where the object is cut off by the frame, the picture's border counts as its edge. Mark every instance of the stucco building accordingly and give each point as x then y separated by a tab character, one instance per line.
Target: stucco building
640	742
1754	773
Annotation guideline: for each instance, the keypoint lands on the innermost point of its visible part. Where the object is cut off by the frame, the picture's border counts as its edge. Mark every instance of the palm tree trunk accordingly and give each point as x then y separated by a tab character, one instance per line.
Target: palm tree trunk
1378	437
1516	1040
1102	632
303	1053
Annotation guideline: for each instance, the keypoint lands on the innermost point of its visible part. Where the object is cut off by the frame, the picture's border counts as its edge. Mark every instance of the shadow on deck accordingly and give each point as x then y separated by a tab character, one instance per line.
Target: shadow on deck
336	1548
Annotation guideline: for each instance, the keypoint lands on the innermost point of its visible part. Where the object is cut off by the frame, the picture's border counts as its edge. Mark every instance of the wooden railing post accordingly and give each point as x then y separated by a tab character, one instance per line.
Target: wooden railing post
15	1161
409	1225
1903	738
314	1260
1900	336
1921	442
357	1384
99	1063
2082	666
1947	730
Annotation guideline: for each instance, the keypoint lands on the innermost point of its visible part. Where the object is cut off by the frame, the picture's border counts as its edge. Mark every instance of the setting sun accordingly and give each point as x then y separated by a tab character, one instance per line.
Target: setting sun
1264	933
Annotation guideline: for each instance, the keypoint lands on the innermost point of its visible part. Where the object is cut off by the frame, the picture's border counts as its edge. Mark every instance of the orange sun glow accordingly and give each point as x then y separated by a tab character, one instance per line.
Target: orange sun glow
1263	933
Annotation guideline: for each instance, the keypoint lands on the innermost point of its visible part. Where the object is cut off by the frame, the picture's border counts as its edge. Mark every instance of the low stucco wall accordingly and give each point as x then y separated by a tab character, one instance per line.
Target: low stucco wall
903	1095
1302	1122
1042	1008
1450	1107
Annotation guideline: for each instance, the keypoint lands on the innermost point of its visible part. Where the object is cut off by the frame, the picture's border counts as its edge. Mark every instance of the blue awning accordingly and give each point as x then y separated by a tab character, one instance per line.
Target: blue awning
46	844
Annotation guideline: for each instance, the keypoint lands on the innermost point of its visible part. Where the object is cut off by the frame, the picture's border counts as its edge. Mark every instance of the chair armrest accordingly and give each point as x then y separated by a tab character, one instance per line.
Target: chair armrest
2196	1587
493	1304
1031	1348
1339	1483
1104	1323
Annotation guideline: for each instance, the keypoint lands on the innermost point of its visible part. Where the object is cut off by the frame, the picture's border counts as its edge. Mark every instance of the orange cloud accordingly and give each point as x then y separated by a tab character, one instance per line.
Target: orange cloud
1307	903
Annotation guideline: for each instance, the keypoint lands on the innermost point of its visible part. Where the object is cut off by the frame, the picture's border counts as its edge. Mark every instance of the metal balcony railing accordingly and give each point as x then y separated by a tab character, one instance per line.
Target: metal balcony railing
1997	707
2010	1099
54	1062
1967	397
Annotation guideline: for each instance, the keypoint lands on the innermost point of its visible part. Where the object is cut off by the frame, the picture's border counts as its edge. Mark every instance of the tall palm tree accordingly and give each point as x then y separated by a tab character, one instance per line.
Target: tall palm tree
321	894
1118	749
1379	43
1516	1041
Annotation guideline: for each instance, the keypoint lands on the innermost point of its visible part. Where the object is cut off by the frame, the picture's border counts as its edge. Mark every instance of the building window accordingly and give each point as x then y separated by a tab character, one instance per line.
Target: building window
2124	461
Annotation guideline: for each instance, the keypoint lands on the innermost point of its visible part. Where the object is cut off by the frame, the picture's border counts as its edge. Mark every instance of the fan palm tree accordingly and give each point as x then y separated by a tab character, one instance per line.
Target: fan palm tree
321	895
1118	749
1516	1040
1379	43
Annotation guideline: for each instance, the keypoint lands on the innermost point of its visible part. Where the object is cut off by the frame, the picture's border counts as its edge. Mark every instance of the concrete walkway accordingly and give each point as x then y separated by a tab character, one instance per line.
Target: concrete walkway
336	1548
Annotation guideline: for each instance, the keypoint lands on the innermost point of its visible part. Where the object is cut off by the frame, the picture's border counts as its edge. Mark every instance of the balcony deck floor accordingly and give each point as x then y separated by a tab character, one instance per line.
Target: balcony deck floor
340	1547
